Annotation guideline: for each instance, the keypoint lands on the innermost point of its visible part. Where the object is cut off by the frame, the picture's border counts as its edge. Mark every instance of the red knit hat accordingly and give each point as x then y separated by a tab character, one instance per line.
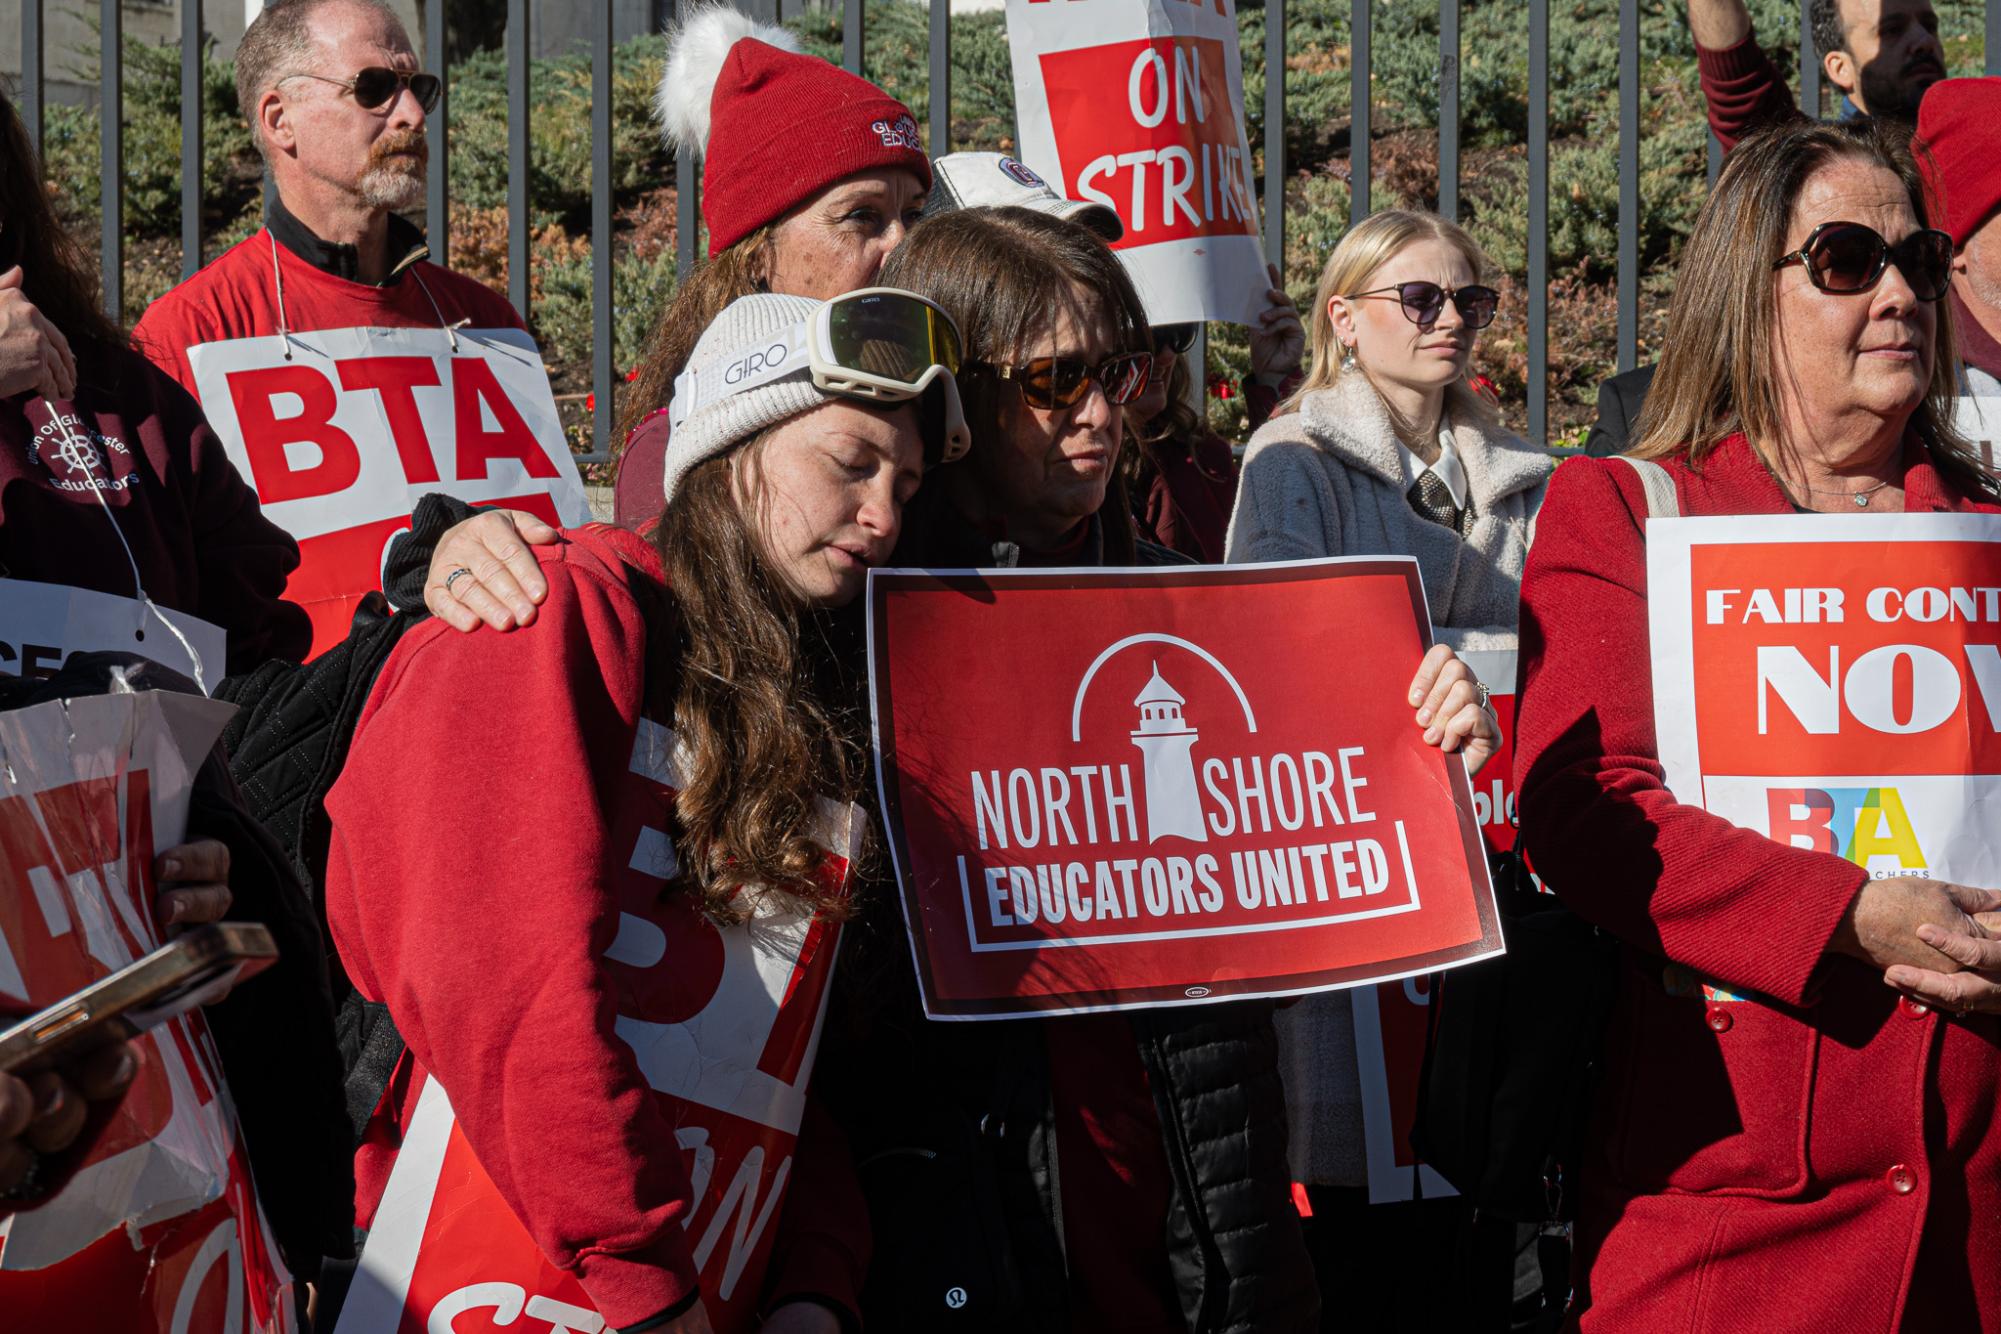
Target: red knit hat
775	126
1959	140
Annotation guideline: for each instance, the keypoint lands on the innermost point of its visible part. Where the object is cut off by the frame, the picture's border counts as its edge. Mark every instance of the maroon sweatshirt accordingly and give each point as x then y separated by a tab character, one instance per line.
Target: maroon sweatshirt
201	543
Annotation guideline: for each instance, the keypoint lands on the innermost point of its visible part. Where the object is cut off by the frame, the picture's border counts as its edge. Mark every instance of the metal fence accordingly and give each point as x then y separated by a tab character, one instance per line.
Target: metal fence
688	176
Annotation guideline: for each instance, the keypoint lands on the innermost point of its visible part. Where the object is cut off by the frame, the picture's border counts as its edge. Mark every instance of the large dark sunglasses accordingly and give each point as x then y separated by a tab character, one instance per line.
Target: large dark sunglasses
1175	338
374	86
1062	382
1424	302
1846	258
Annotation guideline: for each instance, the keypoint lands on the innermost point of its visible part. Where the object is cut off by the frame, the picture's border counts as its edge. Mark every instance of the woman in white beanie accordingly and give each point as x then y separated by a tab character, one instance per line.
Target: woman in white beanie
677	743
810	177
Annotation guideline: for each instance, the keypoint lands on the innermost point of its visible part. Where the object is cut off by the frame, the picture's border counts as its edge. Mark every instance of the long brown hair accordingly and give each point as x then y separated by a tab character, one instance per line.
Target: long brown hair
1000	273
765	707
55	274
738	271
1719	372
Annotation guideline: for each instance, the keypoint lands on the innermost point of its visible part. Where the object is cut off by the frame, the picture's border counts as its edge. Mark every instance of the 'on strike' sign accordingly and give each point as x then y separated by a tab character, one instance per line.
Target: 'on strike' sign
342	431
1134	104
1205	784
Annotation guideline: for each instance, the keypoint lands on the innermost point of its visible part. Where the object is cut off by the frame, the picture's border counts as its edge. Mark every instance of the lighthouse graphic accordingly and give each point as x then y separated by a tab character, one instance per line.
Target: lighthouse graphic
1173	806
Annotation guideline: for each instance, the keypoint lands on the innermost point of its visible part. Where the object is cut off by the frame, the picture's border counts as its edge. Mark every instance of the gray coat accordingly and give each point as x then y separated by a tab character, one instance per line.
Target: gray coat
1327	481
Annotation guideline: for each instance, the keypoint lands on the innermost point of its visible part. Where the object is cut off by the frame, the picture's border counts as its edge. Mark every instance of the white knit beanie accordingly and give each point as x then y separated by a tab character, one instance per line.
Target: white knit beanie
749	327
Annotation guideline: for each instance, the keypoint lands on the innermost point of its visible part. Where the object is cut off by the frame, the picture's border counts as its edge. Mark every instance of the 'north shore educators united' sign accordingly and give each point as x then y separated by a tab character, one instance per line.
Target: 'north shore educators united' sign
1112	789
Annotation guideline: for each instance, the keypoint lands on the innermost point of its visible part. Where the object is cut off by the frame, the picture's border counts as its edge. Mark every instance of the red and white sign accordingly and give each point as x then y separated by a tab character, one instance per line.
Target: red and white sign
1136	105
1392	1020
41	625
1834	682
342	431
1108	789
724	1023
158	1230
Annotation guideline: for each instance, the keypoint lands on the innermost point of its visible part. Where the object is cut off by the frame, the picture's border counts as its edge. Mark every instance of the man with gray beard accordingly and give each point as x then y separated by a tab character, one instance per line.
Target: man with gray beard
336	103
346	373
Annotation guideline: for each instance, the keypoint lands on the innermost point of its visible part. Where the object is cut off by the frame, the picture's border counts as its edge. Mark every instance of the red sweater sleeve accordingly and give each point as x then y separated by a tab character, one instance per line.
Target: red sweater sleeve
471	834
1743	89
1597	819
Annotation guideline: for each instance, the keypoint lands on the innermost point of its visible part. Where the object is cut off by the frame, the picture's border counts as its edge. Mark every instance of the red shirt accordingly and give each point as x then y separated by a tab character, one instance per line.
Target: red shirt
1828	1152
236	296
1112	1174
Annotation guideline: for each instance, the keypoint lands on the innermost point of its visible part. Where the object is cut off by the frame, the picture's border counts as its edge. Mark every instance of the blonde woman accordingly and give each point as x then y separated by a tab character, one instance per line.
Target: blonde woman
1386	449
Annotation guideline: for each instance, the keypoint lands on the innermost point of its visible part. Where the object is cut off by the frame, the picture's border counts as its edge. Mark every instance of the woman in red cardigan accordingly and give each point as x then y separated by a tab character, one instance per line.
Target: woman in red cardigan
1790	1145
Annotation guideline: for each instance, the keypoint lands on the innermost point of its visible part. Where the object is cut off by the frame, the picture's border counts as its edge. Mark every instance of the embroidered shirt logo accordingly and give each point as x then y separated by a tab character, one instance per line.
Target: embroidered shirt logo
898	133
76	455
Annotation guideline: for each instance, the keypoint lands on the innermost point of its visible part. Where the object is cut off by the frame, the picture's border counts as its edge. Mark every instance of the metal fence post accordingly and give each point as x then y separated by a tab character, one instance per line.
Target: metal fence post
192	56
853	23
438	186
1991	44
31	71
687	191
1448	109
604	366
1809	63
1538	351
1275	134
1629	182
517	155
111	156
941	78
1358	111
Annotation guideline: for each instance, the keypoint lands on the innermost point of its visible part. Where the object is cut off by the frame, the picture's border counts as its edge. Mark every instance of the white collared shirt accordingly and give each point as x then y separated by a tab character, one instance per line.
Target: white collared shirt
1447	466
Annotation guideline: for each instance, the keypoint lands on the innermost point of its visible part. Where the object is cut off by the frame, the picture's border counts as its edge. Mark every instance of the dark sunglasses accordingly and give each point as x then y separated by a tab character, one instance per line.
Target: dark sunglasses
1846	258
1175	338
374	86
1424	302
1062	382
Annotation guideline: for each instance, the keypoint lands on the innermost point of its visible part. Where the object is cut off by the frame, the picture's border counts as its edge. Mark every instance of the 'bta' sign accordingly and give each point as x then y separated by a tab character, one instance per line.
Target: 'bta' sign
1834	682
1136	105
342	431
1206	784
158	1229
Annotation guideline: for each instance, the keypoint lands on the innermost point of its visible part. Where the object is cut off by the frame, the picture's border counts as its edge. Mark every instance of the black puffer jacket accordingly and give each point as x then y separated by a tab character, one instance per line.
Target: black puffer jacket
954	1136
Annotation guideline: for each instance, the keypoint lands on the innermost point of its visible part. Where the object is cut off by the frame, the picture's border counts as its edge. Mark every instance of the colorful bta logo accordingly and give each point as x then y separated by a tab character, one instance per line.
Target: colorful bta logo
1859	823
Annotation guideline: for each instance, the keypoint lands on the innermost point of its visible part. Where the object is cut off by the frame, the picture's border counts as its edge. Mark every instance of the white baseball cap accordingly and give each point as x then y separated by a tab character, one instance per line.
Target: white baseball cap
995	180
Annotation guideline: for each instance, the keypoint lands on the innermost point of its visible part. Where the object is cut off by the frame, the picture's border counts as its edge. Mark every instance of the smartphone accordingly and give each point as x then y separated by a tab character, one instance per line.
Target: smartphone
185	972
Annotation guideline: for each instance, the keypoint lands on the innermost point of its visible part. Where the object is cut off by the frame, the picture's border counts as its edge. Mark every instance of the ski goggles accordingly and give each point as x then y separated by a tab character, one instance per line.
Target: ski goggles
1846	258
879	344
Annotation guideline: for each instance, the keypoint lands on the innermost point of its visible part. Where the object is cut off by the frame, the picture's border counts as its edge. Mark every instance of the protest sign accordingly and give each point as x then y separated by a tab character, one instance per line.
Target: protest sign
158	1230
342	431
41	625
1391	1020
1138	105
1199	783
724	1022
1834	682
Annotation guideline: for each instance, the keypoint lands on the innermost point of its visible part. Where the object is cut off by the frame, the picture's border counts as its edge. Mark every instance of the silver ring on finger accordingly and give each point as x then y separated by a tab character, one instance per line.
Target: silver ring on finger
1485	694
452	578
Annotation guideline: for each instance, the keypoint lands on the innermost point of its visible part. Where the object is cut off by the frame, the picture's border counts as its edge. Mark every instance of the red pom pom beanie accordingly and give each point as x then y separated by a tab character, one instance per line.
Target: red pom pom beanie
1959	122
774	125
